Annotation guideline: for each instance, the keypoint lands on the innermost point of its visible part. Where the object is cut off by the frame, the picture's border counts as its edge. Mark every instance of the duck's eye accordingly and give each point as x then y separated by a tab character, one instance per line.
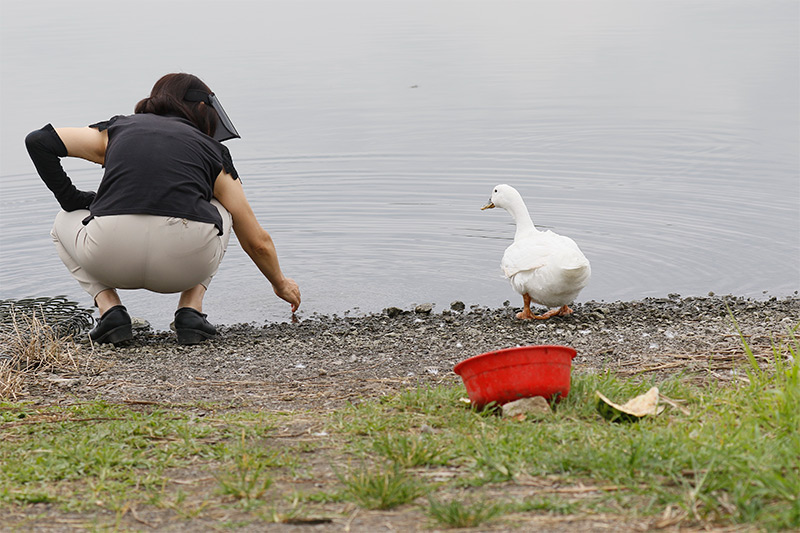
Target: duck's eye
495	190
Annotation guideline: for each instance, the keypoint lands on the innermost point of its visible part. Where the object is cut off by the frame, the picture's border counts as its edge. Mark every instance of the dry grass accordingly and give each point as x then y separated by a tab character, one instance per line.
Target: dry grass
31	348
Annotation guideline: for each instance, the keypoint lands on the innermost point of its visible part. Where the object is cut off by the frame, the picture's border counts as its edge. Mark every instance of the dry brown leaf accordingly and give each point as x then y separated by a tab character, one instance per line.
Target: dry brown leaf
632	410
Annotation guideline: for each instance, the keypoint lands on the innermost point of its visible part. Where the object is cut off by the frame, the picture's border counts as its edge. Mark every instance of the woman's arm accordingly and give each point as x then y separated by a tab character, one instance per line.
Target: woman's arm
86	143
254	239
47	146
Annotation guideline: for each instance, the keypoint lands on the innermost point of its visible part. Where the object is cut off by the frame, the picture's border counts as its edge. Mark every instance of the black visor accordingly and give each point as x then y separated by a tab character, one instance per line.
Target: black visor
225	129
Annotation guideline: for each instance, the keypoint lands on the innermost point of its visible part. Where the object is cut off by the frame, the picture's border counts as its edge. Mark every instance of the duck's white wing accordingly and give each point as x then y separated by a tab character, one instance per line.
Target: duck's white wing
546	249
524	255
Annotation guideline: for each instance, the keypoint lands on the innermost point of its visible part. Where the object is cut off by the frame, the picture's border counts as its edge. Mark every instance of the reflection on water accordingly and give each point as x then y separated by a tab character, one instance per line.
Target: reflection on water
662	137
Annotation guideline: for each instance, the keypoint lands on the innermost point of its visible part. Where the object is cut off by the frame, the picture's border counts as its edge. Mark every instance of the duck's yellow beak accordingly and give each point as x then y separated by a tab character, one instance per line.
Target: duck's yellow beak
490	205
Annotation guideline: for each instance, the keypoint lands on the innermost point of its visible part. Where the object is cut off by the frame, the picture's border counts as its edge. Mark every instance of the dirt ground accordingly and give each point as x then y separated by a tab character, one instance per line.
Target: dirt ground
323	363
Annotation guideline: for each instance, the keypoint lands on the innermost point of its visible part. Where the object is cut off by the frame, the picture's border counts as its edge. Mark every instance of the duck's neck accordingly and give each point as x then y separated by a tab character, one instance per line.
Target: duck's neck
522	218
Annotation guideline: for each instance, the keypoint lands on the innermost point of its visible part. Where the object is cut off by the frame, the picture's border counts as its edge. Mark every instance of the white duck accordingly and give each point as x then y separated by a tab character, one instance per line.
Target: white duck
544	267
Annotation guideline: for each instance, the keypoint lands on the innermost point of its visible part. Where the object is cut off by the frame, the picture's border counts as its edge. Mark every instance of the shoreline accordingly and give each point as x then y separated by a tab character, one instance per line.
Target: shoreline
324	362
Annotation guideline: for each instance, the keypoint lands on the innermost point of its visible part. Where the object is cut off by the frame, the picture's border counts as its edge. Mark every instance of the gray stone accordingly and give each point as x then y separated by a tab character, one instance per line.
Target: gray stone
527	408
393	311
457	306
424	309
140	323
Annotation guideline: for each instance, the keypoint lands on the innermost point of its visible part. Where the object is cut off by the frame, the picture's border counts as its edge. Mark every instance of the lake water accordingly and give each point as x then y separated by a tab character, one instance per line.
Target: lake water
661	136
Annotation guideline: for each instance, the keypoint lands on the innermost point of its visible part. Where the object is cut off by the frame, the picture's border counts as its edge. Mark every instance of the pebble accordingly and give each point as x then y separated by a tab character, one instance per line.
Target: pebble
527	408
457	306
424	309
393	312
139	323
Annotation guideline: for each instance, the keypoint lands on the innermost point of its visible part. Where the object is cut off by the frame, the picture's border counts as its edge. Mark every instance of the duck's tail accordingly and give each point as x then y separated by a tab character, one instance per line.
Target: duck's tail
577	271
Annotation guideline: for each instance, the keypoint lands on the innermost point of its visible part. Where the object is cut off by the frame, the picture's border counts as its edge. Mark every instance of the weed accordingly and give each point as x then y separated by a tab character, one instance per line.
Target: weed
385	487
294	514
27	496
457	514
410	451
180	504
246	481
556	506
321	497
30	348
494	459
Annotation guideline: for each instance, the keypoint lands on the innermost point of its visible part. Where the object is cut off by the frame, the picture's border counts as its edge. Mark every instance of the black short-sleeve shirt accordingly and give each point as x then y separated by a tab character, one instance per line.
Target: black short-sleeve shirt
160	165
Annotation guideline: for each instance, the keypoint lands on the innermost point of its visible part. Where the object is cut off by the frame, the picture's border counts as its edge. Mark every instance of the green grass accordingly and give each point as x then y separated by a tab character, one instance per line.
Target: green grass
410	451
111	454
382	486
247	479
458	514
732	460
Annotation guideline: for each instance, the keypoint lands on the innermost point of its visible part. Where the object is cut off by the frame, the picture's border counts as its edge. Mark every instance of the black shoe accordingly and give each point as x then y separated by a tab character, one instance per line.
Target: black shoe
192	327
114	326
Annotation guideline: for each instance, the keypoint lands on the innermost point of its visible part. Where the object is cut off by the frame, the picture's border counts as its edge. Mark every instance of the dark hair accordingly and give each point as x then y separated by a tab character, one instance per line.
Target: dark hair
167	98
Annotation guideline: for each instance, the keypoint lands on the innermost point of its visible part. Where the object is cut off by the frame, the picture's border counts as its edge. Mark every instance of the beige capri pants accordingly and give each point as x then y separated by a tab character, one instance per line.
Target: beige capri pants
157	253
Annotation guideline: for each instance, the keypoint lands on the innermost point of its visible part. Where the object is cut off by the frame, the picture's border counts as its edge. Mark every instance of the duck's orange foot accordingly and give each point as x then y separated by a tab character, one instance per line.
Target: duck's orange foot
526	314
564	310
526	308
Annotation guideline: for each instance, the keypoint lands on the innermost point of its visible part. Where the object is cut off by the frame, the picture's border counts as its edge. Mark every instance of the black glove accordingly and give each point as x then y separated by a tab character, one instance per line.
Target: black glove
80	200
46	148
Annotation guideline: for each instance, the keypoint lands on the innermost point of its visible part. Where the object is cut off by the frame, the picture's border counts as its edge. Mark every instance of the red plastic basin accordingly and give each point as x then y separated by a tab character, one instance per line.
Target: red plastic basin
506	375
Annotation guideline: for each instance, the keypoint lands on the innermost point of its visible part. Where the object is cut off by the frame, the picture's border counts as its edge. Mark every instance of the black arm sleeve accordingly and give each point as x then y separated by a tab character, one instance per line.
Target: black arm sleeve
46	148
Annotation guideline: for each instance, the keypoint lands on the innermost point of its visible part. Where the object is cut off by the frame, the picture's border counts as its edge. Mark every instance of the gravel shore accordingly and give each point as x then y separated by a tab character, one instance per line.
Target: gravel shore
324	362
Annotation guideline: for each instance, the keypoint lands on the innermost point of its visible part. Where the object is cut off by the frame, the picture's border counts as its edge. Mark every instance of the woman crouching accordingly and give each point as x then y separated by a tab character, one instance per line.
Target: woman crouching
162	215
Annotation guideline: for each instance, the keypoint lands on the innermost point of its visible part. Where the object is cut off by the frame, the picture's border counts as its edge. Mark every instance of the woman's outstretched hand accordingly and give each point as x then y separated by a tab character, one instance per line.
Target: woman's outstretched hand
289	291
